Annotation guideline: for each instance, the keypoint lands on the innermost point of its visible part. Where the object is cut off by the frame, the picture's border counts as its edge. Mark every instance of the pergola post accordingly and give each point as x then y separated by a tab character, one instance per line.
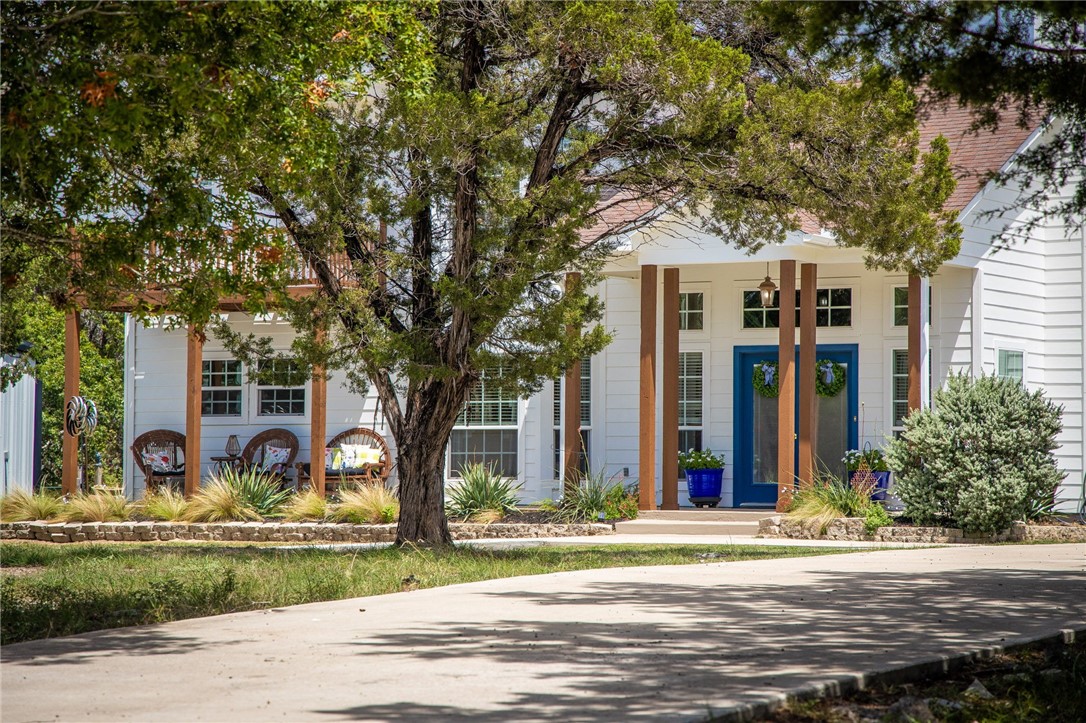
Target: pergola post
646	461
318	421
670	443
914	342
193	408
806	372
70	460
571	402
786	382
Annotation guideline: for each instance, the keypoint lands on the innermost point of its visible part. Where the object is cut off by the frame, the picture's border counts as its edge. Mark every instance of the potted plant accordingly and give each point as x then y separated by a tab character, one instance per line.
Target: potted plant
872	464
704	476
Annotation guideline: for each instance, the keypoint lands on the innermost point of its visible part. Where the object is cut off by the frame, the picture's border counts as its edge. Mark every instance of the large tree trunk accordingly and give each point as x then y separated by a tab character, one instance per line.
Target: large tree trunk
430	414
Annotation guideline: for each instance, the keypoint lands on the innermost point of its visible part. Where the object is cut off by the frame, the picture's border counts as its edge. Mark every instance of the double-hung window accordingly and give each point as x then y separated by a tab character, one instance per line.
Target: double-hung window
691	400
486	430
586	419
281	389
1011	364
220	394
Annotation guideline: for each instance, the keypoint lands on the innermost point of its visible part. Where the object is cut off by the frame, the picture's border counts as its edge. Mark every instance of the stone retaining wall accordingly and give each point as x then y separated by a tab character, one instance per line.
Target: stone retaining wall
269	531
852	529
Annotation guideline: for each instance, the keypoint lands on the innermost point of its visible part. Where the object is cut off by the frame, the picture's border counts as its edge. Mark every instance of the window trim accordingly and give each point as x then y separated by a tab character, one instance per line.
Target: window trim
517	426
852	287
705	406
306	398
242	417
1017	350
706	310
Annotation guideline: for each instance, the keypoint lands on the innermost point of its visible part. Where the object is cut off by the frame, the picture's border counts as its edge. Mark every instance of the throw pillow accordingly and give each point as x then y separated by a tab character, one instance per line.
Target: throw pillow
274	457
158	462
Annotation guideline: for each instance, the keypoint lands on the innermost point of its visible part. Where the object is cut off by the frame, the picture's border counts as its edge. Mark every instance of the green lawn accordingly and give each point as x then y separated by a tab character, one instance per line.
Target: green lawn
52	590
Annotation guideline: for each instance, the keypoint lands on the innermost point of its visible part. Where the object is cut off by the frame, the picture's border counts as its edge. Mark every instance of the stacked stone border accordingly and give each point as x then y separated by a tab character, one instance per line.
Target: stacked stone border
64	532
852	529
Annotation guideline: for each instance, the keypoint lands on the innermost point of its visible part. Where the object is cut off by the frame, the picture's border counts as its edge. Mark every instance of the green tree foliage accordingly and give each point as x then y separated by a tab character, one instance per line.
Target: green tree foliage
440	184
101	378
982	456
1029	56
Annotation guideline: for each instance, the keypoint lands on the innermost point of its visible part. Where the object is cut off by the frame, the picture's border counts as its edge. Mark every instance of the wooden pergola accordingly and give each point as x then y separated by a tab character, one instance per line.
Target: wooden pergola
302	284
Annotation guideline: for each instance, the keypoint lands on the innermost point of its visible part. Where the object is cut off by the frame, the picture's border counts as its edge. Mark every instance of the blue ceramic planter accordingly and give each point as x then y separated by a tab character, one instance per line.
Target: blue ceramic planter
882	484
703	486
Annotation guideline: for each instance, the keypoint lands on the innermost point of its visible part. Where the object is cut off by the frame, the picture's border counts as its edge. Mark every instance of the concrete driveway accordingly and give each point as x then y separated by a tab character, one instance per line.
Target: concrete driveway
660	643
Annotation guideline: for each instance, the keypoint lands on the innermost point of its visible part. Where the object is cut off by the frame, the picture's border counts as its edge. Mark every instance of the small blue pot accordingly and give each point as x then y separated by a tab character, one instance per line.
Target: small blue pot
703	486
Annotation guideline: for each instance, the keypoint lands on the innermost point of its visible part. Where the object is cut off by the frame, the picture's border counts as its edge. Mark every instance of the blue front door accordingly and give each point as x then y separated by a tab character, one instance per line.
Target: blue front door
755	423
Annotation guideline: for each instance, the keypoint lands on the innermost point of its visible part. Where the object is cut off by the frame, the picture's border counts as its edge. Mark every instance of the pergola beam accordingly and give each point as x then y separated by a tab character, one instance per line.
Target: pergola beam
193	411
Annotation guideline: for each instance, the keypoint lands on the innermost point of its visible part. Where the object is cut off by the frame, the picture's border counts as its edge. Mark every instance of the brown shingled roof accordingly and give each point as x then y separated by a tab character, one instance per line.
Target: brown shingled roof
973	154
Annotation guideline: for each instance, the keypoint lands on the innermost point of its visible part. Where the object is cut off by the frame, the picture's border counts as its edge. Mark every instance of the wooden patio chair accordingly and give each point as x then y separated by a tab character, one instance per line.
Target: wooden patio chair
160	456
367	474
261	448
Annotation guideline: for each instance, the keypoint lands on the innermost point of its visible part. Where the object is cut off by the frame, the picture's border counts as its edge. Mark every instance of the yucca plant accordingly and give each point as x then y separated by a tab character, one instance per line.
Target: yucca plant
97	507
481	490
594	495
165	505
220	501
305	506
260	489
373	504
21	506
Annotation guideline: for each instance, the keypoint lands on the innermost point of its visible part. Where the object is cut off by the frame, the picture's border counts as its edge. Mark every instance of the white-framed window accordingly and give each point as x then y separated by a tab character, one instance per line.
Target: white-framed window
487	429
899	388
221	387
586	420
691	400
1011	364
691	311
833	308
901	305
284	396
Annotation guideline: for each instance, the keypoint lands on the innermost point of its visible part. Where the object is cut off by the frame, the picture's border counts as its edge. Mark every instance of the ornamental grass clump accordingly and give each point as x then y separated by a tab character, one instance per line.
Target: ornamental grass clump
165	505
981	458
308	506
368	504
481	495
21	506
97	507
827	499
219	501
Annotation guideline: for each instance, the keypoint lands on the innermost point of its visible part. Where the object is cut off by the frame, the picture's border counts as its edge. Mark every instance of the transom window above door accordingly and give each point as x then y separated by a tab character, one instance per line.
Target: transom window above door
833	307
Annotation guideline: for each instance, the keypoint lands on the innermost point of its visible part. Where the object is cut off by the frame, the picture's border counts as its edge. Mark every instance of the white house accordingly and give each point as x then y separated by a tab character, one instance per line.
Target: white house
1016	311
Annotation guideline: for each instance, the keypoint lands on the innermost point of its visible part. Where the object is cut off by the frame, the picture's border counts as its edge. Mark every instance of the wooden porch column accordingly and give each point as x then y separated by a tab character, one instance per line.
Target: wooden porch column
571	401
70	460
193	407
916	326
318	421
646	461
786	379
670	448
807	350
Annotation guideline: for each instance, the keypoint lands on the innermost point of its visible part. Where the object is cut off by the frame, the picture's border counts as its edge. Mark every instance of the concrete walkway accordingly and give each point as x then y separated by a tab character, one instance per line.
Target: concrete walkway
661	643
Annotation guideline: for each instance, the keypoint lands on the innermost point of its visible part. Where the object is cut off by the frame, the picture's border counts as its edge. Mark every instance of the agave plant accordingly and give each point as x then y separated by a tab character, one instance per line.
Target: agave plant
260	489
481	490
596	495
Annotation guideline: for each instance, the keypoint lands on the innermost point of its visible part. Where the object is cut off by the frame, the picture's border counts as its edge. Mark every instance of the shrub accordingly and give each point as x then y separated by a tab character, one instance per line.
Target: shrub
308	505
220	501
21	506
373	504
481	489
165	505
97	507
876	516
595	494
981	458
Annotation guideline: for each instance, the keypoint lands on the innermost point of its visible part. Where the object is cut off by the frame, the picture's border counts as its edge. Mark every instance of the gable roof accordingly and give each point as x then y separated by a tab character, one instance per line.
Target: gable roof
974	154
